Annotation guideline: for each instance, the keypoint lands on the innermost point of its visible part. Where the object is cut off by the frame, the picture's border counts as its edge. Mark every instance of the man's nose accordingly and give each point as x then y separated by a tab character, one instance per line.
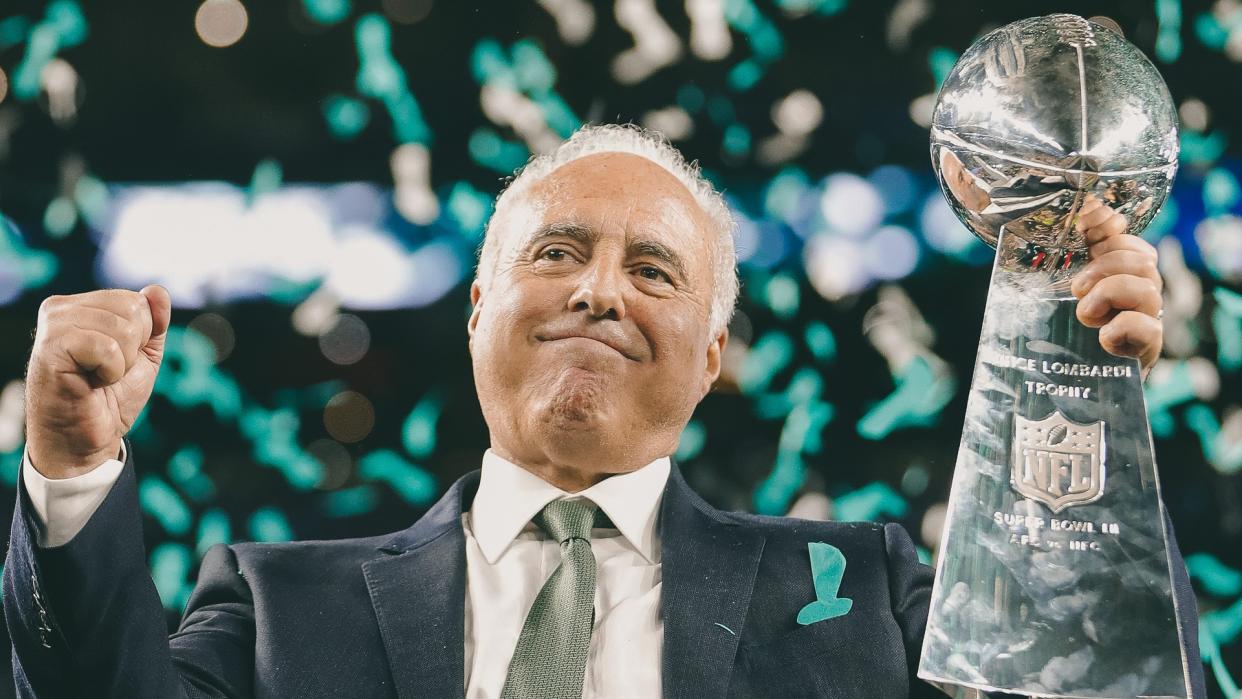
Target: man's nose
600	292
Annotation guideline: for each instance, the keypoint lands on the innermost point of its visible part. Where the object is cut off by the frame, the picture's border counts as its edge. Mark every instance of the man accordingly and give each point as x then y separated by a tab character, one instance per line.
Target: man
577	563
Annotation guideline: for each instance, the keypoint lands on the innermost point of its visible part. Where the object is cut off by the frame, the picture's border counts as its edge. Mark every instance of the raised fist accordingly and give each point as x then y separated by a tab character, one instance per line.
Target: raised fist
94	364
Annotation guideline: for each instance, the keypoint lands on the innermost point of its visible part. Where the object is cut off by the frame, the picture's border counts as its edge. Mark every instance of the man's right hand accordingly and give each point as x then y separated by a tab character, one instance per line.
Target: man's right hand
94	364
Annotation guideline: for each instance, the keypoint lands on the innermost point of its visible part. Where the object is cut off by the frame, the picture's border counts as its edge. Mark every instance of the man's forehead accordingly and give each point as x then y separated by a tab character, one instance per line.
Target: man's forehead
615	177
585	218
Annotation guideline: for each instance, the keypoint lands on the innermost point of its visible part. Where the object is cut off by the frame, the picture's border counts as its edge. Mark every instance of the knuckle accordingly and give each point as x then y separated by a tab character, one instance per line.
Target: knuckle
103	347
50	305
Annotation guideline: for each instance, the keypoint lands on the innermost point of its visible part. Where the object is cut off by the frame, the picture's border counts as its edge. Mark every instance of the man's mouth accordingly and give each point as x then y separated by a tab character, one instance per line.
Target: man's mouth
605	342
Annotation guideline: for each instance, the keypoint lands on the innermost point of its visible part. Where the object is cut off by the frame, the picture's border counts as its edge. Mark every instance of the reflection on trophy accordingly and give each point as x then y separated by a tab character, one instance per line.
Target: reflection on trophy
1053	576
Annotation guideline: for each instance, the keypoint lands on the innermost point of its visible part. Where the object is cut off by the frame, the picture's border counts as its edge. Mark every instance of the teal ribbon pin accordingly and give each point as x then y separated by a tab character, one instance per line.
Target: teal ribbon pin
827	569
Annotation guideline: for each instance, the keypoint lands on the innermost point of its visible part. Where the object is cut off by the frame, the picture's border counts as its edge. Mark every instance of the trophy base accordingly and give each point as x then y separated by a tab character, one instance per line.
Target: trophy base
1053	575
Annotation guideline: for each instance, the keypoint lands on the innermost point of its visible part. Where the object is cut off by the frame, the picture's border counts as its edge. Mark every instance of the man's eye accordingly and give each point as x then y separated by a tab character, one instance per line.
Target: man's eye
653	273
554	254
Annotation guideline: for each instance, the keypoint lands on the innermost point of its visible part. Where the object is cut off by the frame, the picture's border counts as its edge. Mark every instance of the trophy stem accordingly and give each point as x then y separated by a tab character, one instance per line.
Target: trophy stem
1053	575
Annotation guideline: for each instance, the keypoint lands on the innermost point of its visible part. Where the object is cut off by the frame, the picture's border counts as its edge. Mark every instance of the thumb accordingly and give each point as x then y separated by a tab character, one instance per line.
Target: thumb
160	304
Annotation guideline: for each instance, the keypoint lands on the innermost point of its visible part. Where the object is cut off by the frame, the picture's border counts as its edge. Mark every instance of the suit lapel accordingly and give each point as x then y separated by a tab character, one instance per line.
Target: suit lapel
418	589
709	565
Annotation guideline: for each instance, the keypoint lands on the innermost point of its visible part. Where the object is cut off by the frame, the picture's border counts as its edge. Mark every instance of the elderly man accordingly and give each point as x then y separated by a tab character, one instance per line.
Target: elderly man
577	562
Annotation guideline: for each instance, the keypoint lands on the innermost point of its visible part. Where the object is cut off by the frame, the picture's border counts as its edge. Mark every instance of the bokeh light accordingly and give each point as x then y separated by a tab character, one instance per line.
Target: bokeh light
221	23
349	417
218	330
407	11
337	463
851	204
347	341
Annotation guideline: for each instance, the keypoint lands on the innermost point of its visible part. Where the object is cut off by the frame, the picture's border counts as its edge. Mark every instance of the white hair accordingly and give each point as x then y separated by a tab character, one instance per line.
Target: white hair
635	140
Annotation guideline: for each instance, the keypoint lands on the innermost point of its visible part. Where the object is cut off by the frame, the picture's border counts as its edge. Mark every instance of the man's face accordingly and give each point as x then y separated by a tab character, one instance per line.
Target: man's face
591	345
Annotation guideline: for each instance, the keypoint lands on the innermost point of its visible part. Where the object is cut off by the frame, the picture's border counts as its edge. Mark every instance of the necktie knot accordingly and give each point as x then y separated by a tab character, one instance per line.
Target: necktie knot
563	520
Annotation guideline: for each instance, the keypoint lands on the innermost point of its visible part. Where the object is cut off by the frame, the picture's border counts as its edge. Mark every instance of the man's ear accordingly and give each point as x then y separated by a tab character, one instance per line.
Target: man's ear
711	370
476	298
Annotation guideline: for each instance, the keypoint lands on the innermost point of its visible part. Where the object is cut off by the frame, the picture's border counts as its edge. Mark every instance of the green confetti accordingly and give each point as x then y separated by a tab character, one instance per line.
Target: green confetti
327	12
1223	453
1168	37
346	116
35	268
268	524
265	180
1201	149
1176	388
60	217
185	469
63	26
91	198
692	440
820	340
745	75
159	500
1227	324
916	401
488	149
691	98
1220	191
869	503
13	31
413	484
782	295
382	78
799	435
349	502
1216	577
469	208
783	199
1162	223
804	386
418	434
827	571
941	61
532	69
213	528
170	568
1210	31
766	358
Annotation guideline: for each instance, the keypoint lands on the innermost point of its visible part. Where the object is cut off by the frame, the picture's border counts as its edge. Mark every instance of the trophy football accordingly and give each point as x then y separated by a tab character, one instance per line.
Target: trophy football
1053	577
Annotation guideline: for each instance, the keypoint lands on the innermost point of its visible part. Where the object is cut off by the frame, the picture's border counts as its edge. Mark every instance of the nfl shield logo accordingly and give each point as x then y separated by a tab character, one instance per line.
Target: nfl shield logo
1057	461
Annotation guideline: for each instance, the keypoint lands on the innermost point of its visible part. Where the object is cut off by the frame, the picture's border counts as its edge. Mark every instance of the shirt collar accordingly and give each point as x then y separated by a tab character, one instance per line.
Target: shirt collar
509	496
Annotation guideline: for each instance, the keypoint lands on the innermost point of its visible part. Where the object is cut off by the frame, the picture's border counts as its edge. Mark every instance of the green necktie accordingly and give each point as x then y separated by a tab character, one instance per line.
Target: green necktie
551	654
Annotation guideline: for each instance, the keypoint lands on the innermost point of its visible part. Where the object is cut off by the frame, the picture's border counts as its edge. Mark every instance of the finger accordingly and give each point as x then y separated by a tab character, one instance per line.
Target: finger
1102	224
95	353
1092	213
1132	262
159	306
1119	292
126	334
1122	242
127	304
1133	334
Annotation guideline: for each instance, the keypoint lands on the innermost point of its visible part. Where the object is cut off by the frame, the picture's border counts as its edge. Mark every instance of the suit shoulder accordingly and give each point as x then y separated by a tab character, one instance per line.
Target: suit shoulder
326	553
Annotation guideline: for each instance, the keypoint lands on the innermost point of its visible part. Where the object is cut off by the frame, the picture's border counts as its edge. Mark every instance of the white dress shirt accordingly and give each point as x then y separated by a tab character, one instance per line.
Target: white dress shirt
508	559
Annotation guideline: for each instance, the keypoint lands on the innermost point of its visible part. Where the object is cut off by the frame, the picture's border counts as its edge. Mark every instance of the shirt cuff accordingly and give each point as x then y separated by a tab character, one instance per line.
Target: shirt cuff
63	506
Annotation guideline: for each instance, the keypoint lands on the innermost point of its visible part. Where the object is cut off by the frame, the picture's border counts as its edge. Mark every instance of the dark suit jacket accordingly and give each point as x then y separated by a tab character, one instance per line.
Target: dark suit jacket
383	616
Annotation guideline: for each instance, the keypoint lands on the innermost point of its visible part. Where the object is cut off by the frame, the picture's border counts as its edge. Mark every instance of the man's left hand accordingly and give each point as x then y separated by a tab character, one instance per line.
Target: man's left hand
1119	289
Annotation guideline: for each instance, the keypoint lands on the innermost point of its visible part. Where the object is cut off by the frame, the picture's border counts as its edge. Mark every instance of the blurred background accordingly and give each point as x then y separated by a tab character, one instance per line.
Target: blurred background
310	179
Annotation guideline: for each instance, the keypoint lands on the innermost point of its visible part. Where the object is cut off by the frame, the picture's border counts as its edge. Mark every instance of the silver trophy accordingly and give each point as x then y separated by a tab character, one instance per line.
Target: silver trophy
1053	577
